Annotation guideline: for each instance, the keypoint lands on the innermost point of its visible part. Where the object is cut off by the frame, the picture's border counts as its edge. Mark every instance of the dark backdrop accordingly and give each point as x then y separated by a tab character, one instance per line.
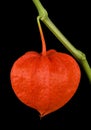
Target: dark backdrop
19	34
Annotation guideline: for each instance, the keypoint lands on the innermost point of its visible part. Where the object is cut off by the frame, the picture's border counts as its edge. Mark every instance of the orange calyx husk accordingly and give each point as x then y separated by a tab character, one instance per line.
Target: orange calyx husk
45	83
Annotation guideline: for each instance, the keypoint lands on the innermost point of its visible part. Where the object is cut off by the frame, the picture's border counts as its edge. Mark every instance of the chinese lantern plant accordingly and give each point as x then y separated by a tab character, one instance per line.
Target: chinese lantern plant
45	81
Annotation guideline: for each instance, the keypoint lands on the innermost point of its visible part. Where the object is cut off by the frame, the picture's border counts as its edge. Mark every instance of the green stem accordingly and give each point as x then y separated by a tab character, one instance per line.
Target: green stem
80	56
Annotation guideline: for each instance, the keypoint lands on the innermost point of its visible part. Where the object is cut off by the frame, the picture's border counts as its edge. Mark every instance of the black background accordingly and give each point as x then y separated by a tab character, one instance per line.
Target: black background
19	34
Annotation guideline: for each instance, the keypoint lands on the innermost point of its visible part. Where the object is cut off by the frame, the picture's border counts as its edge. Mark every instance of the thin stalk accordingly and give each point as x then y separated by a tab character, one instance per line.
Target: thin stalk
42	37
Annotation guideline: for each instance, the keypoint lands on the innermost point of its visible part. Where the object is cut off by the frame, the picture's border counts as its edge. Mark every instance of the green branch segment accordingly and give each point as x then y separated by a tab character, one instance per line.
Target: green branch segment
80	56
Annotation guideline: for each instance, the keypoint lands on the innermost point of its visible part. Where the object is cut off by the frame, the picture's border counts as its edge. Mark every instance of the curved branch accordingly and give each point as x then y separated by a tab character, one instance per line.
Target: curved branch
80	56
